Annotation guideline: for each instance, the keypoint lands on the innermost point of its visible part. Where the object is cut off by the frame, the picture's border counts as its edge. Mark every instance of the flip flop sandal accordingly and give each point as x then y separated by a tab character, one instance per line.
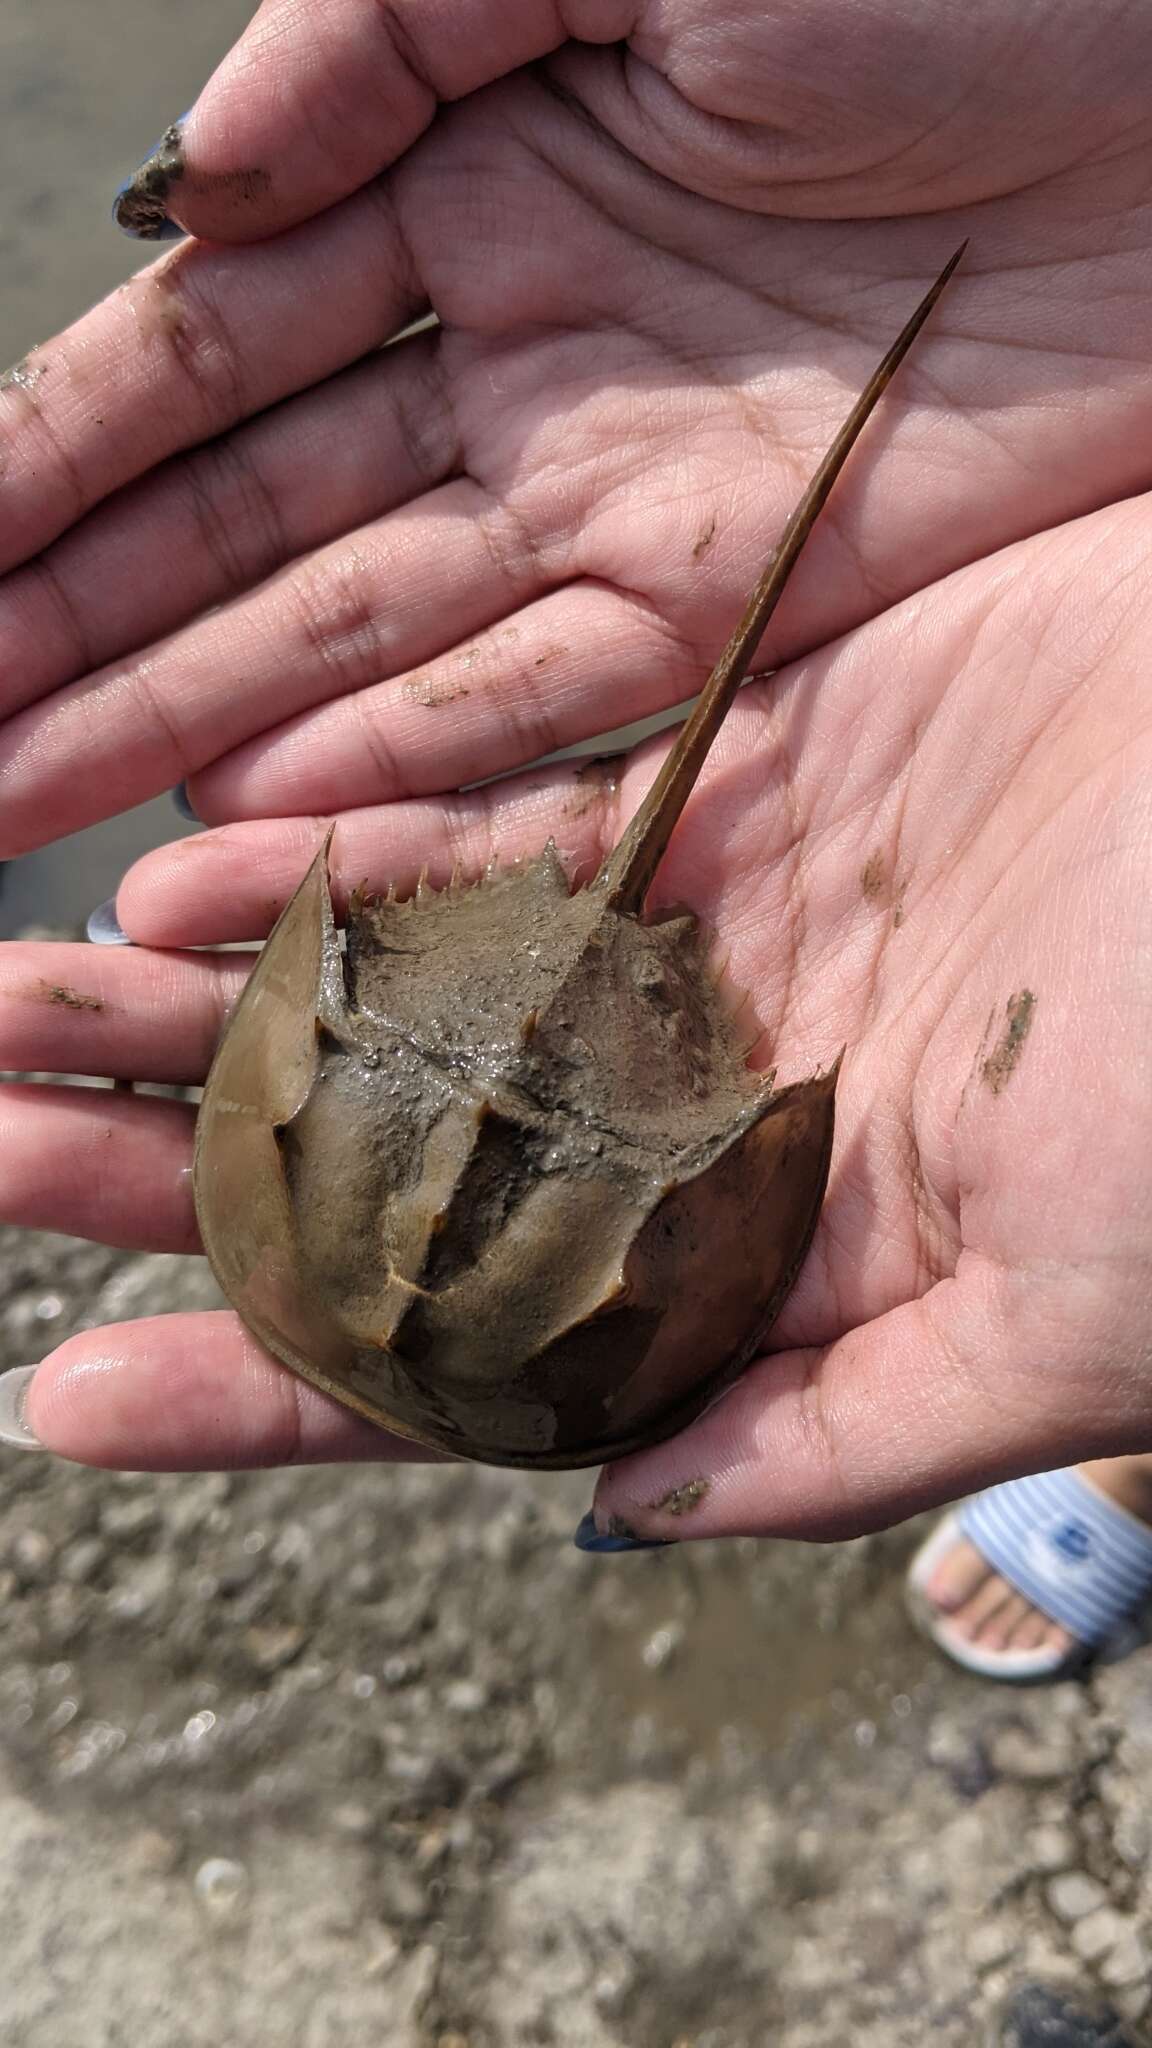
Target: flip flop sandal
1073	1553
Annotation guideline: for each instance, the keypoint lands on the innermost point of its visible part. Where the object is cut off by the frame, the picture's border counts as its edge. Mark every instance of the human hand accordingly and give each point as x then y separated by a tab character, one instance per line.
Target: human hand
261	553
872	1327
976	1300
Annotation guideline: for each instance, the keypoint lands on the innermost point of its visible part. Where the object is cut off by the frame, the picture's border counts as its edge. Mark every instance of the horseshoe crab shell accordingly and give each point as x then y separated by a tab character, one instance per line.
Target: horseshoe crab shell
499	1177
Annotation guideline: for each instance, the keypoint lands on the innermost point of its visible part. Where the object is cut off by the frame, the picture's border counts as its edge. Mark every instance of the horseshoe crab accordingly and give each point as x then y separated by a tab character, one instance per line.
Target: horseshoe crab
497	1174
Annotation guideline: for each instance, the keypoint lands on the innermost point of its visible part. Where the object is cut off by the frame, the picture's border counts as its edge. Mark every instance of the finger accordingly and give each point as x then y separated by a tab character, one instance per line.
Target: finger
183	351
536	682
960	1389
93	1163
191	1393
233	882
224	517
114	1012
312	102
374	603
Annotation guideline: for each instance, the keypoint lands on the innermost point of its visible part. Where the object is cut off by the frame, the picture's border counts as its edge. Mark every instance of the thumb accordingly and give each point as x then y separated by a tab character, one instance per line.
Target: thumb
316	100
919	1407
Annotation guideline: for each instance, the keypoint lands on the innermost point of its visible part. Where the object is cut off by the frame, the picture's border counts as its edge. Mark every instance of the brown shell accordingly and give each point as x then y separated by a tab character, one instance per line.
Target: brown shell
497	1175
500	1177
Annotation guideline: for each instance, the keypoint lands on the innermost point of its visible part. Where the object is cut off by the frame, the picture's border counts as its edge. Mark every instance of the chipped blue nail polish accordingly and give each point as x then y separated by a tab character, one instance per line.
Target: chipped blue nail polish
183	804
104	927
141	205
617	1537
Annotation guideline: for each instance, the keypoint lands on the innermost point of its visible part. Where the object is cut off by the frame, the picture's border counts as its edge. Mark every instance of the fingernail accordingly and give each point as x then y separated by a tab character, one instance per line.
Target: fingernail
617	1536
104	927
183	804
14	1428
141	208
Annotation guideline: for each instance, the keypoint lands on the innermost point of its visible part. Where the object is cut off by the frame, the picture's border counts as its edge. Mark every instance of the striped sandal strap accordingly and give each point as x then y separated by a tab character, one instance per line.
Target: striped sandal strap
1082	1560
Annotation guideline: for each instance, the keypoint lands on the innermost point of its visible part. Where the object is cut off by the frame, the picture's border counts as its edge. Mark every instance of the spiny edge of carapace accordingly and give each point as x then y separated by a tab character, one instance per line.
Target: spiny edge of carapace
495	873
734	998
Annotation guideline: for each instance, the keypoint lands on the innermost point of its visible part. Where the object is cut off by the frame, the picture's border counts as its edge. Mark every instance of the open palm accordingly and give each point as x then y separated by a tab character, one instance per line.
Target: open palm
925	836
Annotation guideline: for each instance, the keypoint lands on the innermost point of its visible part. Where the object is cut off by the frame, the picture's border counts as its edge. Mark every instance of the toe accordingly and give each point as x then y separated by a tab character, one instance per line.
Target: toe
957	1576
1031	1631
1037	1631
1000	1628
976	1616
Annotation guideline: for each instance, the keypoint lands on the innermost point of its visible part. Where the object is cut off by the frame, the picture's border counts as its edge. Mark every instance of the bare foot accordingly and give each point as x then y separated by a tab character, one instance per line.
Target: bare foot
984	1608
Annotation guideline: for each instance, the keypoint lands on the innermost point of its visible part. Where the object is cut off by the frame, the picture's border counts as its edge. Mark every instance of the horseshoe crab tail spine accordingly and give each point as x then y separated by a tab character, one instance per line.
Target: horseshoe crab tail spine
627	874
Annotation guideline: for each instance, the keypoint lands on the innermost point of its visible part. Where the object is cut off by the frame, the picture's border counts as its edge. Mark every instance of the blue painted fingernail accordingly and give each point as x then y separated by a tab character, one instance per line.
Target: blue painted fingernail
618	1536
141	208
104	927
183	804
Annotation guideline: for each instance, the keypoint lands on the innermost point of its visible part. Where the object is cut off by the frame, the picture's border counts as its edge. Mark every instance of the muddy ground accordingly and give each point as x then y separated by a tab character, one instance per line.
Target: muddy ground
353	1756
347	1757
